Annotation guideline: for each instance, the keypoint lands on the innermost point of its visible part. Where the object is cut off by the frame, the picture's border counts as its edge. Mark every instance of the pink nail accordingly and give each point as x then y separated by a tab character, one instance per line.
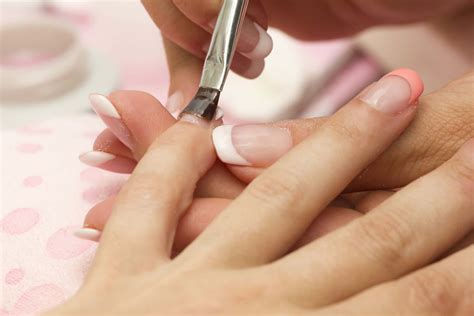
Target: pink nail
111	117
395	92
251	145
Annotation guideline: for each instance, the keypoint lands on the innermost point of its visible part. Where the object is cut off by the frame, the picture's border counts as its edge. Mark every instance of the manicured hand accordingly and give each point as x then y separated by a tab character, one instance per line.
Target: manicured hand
386	262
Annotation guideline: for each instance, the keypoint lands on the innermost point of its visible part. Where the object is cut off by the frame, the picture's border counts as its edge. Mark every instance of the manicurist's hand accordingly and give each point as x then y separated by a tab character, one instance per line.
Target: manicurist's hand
386	262
187	26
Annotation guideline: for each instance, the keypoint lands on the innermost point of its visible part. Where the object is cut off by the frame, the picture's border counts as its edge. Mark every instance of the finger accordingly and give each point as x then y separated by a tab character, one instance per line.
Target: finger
137	118
443	123
444	288
275	210
367	201
134	117
254	41
202	212
409	230
109	153
176	27
248	149
329	220
193	222
141	228
464	243
185	74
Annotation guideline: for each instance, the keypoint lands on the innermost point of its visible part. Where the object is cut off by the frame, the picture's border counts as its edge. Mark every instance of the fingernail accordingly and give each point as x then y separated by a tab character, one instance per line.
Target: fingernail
96	158
110	116
108	161
254	42
395	92
88	234
251	145
175	102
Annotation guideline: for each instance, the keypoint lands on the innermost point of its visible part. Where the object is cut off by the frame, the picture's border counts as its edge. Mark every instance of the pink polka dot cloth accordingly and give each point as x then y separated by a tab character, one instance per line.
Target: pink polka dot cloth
46	193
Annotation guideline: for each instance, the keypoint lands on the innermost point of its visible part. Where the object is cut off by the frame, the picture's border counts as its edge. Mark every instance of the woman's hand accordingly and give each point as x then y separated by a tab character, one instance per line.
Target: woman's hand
384	262
187	27
445	120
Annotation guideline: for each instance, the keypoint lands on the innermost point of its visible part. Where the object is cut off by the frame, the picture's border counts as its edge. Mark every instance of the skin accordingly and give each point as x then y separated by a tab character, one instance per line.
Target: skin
184	25
229	279
444	121
242	264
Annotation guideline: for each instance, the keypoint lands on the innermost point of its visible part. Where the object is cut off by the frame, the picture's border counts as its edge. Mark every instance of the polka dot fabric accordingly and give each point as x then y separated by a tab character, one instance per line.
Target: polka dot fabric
46	193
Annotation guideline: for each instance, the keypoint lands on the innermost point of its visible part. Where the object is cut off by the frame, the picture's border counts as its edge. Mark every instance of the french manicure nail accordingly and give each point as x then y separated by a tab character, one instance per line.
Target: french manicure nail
251	145
96	158
395	92
110	116
254	42
88	234
175	102
108	161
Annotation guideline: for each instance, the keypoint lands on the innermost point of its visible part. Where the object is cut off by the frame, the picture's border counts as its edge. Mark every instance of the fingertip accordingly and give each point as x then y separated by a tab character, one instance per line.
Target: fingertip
414	80
255	69
98	216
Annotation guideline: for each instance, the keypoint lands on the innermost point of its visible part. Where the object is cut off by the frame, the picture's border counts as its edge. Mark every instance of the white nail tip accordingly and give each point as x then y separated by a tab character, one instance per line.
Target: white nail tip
175	102
264	46
96	158
222	137
103	106
88	234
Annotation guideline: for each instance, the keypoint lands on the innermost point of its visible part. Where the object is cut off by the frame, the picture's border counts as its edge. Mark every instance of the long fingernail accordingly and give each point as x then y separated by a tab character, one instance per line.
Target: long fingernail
251	145
395	92
109	114
107	161
254	42
88	234
96	158
175	103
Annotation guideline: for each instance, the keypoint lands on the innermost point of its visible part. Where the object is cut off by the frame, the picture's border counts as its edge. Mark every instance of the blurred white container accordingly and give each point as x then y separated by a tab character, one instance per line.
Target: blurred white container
39	58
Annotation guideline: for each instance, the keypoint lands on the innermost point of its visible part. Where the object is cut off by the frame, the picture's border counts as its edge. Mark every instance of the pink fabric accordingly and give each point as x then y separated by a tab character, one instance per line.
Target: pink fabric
46	192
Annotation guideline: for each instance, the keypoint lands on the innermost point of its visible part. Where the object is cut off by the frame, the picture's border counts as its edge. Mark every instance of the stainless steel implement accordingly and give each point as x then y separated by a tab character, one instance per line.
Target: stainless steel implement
219	59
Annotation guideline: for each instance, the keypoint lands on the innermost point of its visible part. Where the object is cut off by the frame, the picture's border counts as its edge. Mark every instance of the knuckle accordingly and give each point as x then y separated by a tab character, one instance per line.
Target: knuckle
277	188
350	132
383	238
433	290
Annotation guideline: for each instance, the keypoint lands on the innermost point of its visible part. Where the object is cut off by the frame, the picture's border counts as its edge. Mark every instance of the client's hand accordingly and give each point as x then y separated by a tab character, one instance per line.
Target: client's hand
444	122
383	263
